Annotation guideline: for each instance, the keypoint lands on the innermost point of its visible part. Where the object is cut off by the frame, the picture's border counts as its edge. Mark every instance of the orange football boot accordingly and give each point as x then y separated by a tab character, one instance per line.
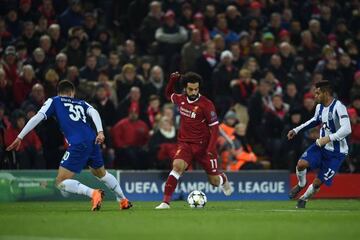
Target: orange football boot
97	198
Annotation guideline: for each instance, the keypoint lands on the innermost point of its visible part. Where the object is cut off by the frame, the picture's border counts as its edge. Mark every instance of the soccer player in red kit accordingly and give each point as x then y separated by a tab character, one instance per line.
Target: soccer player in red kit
198	133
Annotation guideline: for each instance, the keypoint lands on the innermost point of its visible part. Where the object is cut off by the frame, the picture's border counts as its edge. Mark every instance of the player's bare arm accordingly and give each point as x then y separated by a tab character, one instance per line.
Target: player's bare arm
14	145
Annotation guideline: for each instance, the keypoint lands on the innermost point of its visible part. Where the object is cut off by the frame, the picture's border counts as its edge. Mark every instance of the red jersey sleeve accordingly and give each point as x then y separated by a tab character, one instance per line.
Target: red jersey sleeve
210	114
176	98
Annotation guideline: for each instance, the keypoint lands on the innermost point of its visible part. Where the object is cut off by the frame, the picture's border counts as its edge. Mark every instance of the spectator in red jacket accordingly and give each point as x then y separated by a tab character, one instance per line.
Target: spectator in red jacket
29	155
22	87
129	136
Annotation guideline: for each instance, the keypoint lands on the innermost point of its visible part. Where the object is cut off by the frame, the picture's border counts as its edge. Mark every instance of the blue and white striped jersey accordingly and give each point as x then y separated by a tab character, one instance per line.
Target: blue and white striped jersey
335	123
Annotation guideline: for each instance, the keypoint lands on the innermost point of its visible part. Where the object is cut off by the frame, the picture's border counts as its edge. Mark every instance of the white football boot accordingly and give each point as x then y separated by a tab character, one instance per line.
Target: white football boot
226	188
163	206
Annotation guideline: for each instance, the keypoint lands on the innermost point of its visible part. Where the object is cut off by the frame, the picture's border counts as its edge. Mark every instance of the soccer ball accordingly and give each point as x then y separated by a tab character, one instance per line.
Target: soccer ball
197	199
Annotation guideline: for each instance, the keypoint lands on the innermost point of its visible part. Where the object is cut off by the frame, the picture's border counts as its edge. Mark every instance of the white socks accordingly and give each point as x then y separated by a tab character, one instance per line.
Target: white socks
175	174
301	176
111	182
309	192
74	186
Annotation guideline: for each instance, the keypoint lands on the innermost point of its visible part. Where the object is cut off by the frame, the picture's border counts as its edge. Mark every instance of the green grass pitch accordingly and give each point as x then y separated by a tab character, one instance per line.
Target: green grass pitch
323	219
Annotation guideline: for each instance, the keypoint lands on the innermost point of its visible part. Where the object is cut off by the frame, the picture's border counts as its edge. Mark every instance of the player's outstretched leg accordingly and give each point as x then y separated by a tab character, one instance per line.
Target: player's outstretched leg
310	191
221	181
110	181
68	185
179	167
301	176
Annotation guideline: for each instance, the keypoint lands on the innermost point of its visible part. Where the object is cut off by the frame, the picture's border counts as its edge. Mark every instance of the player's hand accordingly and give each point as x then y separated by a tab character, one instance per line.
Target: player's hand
100	138
320	142
175	76
291	134
14	145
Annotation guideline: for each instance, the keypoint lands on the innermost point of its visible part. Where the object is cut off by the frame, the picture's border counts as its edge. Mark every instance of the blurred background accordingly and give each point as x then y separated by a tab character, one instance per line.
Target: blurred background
258	59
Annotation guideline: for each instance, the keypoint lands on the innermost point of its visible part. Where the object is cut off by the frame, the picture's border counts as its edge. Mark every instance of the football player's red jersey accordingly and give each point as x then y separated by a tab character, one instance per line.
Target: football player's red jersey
196	118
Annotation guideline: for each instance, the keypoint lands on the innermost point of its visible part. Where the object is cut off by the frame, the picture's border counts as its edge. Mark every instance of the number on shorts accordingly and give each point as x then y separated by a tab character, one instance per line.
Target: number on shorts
213	163
65	157
329	174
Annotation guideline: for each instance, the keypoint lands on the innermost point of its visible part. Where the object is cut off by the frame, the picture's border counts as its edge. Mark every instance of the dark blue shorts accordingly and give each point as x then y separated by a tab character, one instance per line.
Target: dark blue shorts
78	156
326	161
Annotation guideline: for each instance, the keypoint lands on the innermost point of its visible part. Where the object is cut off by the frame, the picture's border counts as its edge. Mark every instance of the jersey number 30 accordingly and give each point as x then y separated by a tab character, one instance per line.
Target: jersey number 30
76	112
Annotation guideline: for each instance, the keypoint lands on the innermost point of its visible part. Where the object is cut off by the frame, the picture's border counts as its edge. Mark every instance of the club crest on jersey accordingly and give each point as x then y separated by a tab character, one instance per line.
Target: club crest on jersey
330	117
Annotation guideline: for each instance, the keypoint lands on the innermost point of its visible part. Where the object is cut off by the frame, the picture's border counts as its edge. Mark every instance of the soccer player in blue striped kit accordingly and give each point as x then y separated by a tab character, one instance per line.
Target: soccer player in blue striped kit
84	145
330	150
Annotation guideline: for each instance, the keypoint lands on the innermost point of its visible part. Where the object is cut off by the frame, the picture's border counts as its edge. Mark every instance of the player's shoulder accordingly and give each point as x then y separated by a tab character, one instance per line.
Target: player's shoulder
339	104
205	101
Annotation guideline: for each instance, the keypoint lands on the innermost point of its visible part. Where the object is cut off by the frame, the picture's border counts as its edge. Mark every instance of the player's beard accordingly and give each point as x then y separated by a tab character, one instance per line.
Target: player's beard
193	97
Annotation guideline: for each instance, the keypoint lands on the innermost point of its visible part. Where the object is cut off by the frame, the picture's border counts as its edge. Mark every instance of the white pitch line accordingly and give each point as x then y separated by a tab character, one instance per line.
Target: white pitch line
17	237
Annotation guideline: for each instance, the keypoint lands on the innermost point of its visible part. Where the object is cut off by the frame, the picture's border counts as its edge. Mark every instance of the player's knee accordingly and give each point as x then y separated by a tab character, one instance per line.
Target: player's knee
302	165
317	183
179	167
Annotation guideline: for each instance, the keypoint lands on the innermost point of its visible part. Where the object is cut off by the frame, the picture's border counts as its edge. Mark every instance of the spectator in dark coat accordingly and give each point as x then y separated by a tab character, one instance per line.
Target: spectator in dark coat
75	55
89	71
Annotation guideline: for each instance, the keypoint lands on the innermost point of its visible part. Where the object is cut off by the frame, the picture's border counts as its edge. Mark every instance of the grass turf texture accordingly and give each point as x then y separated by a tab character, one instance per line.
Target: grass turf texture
323	219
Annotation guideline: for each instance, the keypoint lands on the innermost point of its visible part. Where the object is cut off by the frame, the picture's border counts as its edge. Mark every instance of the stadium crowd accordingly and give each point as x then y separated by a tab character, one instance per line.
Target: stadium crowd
258	59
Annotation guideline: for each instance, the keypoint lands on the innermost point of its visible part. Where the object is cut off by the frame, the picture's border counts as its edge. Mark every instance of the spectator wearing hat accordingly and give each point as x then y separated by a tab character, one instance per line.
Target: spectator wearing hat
199	24
129	136
89	71
222	76
76	56
149	26
101	59
222	29
268	46
255	11
22	87
9	64
191	51
284	36
170	38
29	155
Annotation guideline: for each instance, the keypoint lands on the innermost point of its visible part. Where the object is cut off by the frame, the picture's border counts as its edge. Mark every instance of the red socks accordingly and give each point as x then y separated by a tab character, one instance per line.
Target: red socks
170	186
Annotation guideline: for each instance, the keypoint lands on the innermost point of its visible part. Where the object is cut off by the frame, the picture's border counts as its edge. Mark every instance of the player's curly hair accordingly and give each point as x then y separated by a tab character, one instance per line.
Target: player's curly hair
191	77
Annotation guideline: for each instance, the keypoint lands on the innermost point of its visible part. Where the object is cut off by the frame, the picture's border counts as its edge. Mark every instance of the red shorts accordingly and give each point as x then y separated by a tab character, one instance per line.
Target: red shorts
196	151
